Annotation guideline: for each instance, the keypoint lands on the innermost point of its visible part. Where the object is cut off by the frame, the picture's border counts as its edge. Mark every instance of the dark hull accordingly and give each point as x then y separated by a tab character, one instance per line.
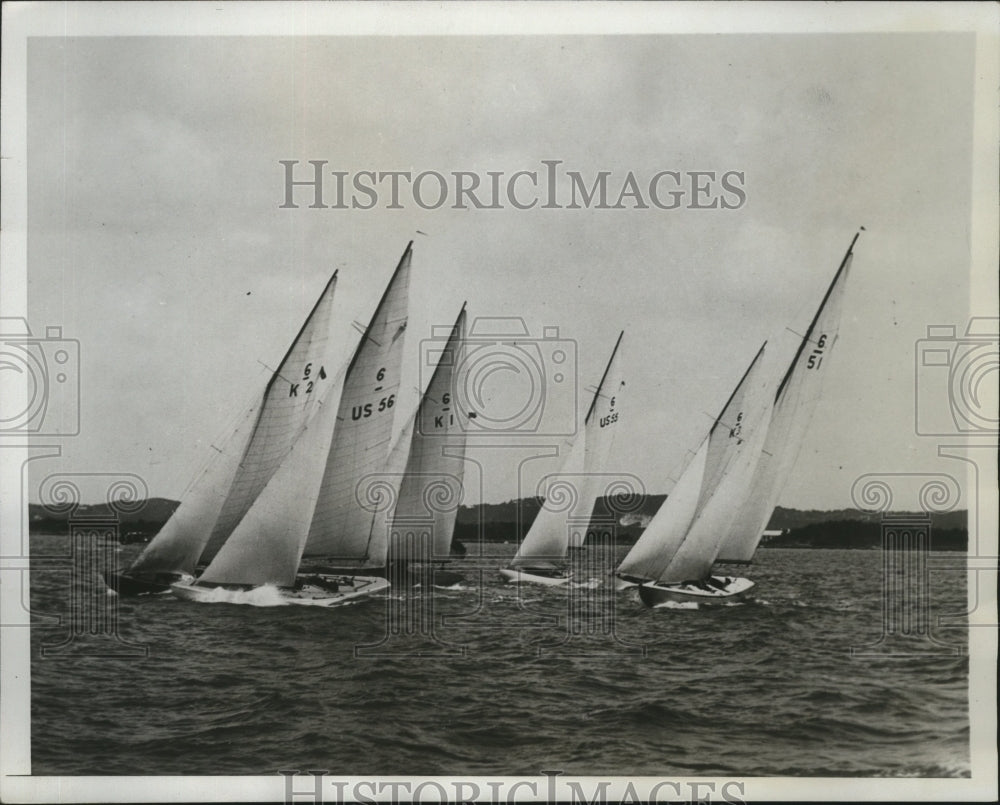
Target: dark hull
124	584
419	575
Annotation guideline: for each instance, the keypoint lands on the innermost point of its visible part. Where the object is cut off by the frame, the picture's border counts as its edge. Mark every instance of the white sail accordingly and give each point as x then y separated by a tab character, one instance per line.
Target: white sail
224	493
719	504
179	544
267	545
431	488
661	538
571	492
673	540
548	538
349	525
794	404
601	424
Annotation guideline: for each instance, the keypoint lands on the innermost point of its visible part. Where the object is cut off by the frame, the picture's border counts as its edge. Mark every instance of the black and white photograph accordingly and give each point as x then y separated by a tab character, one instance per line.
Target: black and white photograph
499	402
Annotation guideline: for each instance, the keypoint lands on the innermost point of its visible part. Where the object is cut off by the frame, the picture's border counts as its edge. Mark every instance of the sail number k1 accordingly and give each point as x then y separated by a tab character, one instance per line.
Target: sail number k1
816	356
293	388
447	417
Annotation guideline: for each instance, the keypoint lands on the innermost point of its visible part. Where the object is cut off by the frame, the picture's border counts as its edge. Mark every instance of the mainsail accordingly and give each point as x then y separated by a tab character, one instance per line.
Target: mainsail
794	404
431	487
250	456
678	541
268	544
600	426
744	427
350	522
574	484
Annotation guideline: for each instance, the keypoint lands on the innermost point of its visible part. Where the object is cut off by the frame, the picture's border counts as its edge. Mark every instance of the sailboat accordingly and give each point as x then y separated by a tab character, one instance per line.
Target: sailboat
241	465
541	557
675	552
432	450
753	495
317	505
794	403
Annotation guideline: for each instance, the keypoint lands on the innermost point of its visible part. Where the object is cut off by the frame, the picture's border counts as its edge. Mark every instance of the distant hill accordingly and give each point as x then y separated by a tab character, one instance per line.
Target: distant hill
860	534
510	520
141	523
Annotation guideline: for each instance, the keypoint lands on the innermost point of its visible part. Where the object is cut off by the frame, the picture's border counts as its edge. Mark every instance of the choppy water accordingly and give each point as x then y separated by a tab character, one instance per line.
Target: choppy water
511	682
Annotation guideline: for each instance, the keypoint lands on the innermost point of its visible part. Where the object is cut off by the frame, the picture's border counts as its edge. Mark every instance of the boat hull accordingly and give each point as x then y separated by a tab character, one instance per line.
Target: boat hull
625	582
129	585
509	574
315	591
720	590
420	575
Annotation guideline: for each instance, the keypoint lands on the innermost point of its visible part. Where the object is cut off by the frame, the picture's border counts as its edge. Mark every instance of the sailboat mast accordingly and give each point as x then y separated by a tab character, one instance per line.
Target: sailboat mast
604	377
819	311
738	386
392	280
284	359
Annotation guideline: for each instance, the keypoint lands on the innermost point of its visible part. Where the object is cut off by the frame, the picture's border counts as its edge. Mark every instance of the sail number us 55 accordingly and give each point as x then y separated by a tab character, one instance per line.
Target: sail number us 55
384	404
611	417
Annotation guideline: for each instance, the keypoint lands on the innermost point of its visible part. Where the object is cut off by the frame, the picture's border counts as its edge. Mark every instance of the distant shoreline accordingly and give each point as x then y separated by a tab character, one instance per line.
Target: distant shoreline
510	520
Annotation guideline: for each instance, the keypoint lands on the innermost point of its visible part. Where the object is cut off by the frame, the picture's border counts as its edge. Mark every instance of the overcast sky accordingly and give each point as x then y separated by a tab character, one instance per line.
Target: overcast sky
156	237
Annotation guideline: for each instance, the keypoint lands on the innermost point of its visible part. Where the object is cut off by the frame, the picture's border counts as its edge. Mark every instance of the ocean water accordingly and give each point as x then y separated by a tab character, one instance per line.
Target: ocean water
816	675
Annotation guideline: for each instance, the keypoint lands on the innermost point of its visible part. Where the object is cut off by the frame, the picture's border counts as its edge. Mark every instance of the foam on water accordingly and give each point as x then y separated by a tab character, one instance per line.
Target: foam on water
677	605
267	595
593	584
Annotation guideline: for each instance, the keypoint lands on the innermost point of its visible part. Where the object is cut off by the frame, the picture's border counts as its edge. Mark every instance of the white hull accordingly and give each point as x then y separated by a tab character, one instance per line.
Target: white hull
716	590
522	576
331	592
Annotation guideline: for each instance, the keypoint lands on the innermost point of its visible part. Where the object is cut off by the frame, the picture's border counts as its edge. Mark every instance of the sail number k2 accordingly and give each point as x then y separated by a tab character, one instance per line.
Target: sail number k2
307	380
816	356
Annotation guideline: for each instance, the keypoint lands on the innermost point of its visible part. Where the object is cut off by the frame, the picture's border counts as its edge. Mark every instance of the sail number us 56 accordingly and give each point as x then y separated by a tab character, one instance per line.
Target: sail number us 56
384	404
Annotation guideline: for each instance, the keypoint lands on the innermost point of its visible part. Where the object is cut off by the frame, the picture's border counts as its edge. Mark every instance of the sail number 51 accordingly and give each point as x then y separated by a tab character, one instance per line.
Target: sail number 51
816	356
